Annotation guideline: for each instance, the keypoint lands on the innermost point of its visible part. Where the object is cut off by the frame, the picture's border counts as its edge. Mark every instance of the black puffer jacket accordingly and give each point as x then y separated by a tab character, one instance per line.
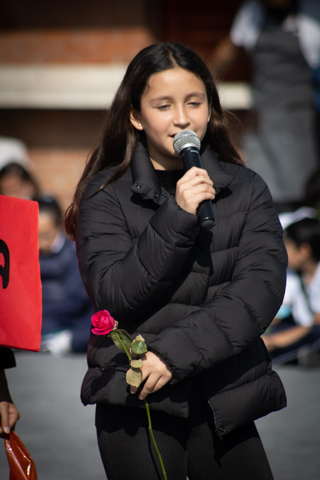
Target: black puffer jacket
200	298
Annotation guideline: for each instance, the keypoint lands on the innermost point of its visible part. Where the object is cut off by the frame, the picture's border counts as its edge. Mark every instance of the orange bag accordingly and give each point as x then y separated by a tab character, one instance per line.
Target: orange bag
21	464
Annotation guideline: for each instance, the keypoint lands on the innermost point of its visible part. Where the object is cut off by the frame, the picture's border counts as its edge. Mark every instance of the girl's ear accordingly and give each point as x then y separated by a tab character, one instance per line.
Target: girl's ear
135	119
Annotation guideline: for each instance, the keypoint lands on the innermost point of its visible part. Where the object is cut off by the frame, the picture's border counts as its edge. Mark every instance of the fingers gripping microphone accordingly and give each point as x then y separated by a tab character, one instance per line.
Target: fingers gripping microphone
187	145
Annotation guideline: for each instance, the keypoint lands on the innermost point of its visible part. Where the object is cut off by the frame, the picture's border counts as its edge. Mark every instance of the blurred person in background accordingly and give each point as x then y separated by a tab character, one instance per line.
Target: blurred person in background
17	181
302	240
9	414
282	39
67	309
295	333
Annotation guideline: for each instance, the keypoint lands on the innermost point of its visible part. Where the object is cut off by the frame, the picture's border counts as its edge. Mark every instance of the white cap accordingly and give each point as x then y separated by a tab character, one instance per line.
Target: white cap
13	150
288	218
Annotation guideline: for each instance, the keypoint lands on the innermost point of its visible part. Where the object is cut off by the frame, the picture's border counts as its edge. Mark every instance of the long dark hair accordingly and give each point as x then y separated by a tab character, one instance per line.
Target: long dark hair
119	138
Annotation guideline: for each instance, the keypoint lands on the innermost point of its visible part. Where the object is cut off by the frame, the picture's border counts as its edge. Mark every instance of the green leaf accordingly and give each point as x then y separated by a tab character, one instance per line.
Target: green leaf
136	363
139	346
124	337
133	377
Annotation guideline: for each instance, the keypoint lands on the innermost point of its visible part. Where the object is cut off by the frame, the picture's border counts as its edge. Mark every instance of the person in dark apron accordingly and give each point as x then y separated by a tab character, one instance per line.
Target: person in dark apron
280	140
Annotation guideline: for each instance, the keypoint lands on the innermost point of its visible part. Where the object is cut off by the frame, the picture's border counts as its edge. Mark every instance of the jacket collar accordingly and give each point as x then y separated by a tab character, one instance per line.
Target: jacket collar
216	170
146	183
145	180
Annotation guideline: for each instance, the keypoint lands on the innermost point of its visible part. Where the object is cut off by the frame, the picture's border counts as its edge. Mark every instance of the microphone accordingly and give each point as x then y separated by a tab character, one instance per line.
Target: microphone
187	145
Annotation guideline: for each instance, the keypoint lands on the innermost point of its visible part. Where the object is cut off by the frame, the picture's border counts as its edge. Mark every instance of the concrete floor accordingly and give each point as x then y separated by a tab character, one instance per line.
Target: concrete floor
59	431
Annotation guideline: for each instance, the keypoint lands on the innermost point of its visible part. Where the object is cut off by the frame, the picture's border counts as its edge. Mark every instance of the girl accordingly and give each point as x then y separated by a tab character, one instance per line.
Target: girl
201	299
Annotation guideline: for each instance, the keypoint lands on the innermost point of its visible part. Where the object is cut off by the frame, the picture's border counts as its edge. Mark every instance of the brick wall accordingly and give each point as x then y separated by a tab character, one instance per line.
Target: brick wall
78	46
95	32
64	33
76	31
58	143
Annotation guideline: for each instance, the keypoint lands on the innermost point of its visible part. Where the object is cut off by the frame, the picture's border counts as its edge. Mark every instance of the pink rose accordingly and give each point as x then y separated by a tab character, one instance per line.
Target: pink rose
103	323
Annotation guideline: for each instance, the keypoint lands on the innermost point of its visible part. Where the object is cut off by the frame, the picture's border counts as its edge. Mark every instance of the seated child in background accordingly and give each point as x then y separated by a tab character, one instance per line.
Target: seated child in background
295	332
67	309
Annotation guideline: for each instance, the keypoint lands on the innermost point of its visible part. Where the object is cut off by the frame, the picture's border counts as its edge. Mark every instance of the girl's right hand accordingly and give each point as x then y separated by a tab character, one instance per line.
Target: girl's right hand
193	188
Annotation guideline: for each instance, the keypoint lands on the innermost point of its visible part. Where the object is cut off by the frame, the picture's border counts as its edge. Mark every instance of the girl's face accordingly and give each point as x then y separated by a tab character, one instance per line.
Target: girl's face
174	100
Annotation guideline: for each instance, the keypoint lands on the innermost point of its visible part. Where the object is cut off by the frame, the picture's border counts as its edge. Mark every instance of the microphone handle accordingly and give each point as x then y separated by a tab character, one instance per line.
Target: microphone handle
191	158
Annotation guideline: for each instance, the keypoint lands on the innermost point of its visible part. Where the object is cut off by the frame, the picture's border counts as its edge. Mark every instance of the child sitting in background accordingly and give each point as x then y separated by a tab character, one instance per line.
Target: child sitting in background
295	332
67	309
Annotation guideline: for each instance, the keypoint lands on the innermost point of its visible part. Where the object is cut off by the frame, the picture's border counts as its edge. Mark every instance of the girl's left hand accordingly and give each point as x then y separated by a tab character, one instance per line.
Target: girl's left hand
156	371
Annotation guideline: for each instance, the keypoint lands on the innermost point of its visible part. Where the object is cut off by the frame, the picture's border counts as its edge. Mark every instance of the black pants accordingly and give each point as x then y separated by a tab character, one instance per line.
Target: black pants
189	447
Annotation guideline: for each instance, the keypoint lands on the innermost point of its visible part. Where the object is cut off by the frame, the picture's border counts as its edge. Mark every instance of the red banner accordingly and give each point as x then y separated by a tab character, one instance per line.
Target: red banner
20	281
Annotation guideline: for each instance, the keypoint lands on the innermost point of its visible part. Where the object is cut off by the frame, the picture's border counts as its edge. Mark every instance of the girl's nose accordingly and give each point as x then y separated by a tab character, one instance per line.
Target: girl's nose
181	118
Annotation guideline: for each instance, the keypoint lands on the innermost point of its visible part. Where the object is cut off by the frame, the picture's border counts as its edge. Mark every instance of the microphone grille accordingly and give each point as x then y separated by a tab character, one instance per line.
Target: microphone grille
186	138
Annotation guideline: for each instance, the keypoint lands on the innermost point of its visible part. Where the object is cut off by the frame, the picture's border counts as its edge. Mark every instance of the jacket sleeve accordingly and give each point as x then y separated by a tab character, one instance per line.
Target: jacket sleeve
240	311
124	275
